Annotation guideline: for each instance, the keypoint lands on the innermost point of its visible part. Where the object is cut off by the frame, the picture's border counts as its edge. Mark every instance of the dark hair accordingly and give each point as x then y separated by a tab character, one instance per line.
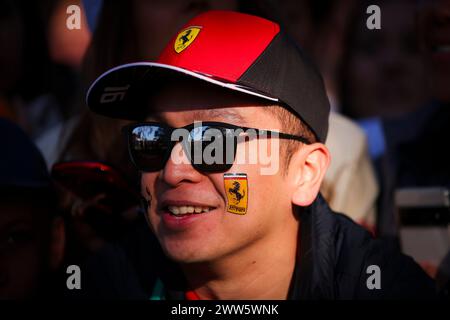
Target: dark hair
291	124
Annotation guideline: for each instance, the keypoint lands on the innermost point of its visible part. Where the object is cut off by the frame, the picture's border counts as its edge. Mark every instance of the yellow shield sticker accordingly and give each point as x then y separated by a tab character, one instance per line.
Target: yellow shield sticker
185	38
236	187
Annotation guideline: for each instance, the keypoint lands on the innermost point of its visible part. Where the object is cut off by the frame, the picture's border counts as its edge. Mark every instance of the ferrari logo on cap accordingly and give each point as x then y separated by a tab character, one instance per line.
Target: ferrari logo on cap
185	38
236	188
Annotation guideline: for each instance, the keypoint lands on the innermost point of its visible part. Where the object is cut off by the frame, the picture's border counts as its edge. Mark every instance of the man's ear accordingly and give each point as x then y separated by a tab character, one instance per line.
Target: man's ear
307	170
57	243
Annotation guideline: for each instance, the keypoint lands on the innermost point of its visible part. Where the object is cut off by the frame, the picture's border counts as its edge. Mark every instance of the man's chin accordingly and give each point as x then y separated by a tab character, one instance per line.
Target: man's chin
184	253
187	257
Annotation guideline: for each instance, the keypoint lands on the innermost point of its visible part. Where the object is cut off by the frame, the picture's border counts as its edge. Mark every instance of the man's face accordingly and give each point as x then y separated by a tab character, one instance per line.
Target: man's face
434	31
216	234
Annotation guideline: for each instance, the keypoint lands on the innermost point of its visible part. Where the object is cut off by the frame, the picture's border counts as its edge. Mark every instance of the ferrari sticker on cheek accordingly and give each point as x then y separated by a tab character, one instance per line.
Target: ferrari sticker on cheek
236	188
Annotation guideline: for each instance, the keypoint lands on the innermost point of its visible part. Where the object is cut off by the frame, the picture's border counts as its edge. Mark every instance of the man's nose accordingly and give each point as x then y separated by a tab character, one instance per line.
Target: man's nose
178	168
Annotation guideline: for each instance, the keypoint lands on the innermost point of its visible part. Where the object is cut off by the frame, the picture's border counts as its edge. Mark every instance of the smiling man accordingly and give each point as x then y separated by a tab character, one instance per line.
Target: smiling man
228	230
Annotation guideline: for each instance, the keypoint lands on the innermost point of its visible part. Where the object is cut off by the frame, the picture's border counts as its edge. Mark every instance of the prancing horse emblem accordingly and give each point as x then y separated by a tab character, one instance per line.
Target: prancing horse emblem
185	38
235	190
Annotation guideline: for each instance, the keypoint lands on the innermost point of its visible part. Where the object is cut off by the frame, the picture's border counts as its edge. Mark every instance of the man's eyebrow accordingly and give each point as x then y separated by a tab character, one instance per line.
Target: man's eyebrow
219	114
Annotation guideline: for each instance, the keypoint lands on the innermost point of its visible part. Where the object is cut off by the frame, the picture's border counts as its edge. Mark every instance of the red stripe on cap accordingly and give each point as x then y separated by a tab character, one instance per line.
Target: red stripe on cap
220	52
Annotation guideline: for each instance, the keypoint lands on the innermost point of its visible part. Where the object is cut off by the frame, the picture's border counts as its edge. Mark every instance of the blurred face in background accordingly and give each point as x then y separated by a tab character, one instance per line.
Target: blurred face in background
385	73
26	248
67	46
157	21
434	32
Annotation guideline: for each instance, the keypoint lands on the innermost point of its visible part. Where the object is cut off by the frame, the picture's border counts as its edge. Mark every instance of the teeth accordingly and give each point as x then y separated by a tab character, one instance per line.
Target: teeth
179	210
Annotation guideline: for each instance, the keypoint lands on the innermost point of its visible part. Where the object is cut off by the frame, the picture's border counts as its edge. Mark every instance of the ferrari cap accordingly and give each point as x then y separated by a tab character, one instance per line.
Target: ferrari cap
230	49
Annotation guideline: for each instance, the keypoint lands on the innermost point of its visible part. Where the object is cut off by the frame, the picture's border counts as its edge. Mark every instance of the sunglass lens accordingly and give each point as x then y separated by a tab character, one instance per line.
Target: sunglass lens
211	149
149	146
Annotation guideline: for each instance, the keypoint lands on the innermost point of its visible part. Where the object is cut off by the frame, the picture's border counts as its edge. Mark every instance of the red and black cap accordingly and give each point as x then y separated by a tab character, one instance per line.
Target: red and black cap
230	49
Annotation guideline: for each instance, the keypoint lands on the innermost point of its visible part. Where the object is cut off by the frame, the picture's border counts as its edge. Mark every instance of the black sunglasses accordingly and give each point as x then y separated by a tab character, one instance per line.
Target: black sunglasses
150	144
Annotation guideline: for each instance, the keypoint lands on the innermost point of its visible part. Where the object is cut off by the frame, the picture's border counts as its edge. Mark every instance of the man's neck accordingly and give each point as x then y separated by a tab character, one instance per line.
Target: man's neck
263	270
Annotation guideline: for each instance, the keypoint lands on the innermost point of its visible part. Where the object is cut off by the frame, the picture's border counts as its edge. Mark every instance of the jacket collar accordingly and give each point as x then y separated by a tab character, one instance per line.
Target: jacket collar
314	274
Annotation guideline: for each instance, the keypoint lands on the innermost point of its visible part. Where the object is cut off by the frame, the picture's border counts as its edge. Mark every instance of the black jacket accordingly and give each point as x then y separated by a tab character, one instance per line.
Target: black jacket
335	254
333	258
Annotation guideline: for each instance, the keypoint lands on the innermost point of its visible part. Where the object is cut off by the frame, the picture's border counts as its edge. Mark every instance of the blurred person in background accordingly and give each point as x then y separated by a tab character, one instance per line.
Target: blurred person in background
66	46
66	49
382	77
414	157
83	137
116	38
32	237
34	90
383	72
413	138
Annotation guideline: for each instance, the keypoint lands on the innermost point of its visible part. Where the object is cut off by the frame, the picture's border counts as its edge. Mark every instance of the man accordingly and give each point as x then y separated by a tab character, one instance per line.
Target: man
229	228
31	235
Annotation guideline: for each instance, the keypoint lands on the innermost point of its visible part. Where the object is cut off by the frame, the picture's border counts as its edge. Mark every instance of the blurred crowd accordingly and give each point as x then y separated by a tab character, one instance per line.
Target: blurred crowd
68	189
